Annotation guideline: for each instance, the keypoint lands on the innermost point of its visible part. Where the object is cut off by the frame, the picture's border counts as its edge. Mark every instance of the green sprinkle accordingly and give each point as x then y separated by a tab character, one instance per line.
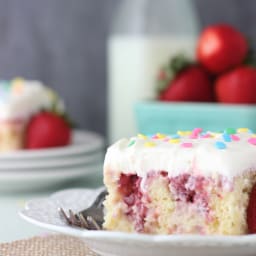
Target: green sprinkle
132	142
6	85
230	131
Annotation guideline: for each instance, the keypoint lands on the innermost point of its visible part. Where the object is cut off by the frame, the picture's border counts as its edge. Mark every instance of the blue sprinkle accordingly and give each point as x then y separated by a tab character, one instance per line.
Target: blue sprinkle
226	137
220	145
175	136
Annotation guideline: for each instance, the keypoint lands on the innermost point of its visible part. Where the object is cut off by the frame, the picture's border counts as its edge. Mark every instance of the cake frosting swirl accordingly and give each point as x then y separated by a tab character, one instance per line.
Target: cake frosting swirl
229	153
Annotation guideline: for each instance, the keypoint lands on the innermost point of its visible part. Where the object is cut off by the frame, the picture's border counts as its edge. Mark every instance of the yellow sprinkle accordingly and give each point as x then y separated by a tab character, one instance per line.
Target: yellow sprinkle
160	136
149	144
17	85
253	135
214	134
174	141
142	136
184	133
241	130
17	79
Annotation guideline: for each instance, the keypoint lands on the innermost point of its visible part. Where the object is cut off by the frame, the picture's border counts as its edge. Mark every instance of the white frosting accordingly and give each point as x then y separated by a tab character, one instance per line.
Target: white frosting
202	158
19	99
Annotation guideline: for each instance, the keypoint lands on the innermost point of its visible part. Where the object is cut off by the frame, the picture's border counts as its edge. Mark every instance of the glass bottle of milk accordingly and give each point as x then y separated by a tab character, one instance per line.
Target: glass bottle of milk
143	37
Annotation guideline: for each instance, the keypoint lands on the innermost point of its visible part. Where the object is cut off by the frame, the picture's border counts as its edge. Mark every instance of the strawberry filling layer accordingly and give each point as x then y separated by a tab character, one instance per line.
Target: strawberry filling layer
192	190
189	192
129	187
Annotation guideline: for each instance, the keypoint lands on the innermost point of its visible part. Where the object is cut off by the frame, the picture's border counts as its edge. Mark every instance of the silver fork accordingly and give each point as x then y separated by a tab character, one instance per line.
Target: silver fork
90	218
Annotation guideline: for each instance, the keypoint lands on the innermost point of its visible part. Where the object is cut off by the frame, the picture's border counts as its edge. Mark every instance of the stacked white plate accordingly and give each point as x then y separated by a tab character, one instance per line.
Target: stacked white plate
37	169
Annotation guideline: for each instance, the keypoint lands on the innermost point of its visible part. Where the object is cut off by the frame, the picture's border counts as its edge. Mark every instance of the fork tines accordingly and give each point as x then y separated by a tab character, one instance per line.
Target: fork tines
78	220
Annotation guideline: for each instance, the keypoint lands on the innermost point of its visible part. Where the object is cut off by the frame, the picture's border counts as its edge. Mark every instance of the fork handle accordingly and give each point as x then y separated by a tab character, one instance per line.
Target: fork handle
100	198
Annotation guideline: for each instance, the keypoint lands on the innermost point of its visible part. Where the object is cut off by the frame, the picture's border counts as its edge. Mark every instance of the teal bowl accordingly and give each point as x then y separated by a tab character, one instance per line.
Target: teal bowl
164	117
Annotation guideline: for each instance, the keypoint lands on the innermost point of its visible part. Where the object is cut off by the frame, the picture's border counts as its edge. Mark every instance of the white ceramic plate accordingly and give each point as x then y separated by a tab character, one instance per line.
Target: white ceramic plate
44	213
37	163
43	179
83	142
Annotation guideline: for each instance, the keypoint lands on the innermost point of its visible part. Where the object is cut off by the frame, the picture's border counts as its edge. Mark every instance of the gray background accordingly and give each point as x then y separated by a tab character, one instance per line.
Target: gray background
62	43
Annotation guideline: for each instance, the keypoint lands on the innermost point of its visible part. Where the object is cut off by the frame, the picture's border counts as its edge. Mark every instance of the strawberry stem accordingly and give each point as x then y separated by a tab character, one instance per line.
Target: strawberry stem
250	59
169	72
179	62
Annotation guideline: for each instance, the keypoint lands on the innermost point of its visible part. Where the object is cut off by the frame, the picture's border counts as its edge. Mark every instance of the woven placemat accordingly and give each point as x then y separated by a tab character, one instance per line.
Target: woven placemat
53	245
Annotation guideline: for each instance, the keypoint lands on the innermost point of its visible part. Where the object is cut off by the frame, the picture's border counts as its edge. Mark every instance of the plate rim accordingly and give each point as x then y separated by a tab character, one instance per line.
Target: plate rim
71	149
52	173
75	160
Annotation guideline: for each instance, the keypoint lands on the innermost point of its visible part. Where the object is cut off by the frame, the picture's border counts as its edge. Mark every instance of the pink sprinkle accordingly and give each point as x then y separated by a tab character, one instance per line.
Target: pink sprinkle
187	145
197	130
166	139
234	137
155	137
195	133
252	141
205	136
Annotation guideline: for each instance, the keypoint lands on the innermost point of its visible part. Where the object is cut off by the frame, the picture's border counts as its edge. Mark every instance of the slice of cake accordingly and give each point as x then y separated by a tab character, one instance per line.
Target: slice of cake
191	182
20	99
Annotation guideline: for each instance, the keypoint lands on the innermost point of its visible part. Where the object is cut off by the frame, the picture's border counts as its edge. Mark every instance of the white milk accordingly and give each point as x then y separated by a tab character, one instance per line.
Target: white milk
133	63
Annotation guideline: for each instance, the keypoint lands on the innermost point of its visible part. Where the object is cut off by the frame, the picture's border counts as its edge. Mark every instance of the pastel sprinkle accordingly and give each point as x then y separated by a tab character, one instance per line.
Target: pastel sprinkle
220	145
175	136
205	136
187	145
17	87
184	133
149	144
226	137
17	79
253	135
17	83
142	136
5	85
214	135
132	142
160	135
235	137
252	141
174	141
241	130
195	133
230	131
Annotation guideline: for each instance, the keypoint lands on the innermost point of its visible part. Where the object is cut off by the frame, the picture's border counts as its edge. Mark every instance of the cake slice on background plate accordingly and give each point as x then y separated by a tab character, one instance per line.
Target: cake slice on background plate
20	99
191	182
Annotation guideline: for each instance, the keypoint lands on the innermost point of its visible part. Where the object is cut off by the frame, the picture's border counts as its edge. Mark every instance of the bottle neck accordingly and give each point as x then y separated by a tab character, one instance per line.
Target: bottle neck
159	18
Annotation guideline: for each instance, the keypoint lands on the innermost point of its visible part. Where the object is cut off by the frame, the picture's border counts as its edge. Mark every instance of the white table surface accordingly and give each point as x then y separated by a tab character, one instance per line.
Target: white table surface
12	227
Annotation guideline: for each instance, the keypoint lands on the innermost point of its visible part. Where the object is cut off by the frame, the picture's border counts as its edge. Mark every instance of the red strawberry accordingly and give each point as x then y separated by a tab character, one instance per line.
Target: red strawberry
46	130
221	47
237	86
191	84
251	212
